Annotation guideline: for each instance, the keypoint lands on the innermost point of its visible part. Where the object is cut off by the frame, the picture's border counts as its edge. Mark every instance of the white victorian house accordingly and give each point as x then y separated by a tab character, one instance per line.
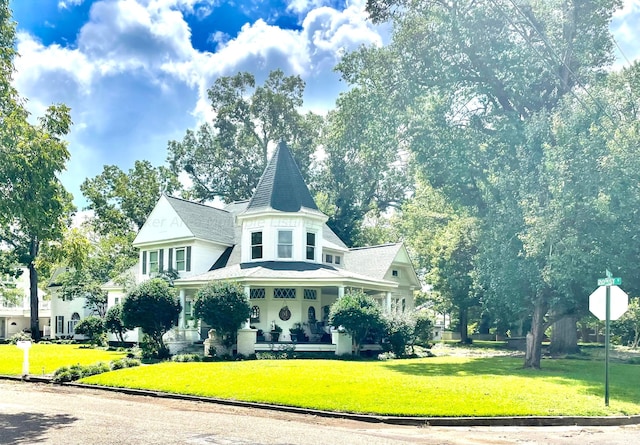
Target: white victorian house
279	247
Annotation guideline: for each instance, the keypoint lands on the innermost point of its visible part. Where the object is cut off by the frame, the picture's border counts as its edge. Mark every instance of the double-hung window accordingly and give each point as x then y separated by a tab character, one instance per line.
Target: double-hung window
181	259
154	261
285	244
256	245
311	246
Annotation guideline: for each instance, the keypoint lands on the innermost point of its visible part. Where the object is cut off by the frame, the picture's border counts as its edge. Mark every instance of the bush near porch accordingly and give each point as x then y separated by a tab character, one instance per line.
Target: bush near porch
438	386
46	358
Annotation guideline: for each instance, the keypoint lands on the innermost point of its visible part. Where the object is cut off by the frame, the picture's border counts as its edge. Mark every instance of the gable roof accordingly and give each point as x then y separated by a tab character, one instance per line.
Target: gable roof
204	222
373	261
281	186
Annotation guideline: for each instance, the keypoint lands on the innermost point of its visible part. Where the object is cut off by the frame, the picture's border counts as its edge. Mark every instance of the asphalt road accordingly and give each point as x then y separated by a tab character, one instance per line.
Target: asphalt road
46	414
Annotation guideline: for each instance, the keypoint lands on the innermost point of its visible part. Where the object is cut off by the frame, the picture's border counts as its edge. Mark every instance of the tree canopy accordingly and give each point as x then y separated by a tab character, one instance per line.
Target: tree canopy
483	116
225	158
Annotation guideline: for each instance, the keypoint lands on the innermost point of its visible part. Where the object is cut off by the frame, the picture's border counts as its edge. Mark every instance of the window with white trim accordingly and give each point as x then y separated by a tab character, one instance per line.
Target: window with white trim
285	244
336	259
311	246
257	293
59	324
180	259
328	258
154	261
310	294
71	324
256	245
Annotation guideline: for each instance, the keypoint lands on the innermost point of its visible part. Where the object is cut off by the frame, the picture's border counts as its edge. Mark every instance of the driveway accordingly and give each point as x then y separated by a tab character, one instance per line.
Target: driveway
47	414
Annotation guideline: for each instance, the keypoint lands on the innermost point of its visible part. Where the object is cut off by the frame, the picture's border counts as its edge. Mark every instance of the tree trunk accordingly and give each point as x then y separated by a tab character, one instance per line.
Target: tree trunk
534	336
33	297
463	319
564	336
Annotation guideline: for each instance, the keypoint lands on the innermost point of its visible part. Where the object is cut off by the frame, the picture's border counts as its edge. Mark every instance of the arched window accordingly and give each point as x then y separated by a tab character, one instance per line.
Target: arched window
311	314
71	327
255	314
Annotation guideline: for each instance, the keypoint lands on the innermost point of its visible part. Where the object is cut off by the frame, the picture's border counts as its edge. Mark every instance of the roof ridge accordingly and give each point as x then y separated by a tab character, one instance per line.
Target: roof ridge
376	246
195	203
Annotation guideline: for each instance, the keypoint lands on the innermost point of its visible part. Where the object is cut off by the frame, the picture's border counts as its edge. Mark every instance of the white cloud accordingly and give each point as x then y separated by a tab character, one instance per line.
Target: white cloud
628	7
66	4
134	81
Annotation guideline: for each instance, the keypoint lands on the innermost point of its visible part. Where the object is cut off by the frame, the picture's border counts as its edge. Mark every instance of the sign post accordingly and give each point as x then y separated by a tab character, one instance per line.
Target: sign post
608	302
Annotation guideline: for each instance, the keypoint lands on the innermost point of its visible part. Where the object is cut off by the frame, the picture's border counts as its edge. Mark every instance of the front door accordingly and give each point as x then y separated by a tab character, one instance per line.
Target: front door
3	327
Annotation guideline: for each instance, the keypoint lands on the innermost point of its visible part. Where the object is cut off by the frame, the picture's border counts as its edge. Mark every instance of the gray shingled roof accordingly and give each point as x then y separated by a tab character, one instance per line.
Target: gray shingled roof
292	270
372	261
205	222
281	186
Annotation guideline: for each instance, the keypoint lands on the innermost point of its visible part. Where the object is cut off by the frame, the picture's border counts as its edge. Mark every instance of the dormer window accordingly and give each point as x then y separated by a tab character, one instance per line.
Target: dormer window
256	245
311	246
285	244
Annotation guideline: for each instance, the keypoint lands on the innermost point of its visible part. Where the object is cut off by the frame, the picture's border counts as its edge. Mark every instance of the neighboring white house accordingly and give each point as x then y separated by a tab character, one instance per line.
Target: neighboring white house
278	246
16	317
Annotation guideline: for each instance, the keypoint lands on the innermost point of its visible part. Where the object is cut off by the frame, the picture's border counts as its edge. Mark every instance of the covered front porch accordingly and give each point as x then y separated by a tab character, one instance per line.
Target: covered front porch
284	315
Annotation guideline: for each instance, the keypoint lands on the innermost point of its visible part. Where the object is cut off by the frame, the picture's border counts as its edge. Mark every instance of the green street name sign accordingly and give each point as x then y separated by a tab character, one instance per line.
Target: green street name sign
610	281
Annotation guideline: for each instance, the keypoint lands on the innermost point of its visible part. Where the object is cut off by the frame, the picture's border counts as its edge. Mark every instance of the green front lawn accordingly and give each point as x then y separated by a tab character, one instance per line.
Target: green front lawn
46	358
439	386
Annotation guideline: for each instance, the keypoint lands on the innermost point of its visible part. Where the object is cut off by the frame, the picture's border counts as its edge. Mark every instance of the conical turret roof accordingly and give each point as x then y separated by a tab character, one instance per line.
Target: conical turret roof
281	186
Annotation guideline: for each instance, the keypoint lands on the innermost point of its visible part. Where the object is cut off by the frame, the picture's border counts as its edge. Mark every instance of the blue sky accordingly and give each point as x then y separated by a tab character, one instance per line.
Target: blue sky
135	72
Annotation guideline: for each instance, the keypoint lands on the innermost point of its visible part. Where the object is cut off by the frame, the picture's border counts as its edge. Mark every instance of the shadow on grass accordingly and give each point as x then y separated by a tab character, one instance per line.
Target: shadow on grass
588	374
28	428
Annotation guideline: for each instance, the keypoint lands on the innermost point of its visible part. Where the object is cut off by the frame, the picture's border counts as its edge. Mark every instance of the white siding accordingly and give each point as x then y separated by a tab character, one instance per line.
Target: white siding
299	225
163	224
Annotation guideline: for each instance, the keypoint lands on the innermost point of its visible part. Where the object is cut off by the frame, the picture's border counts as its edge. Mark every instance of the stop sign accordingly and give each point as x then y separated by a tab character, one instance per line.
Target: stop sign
619	302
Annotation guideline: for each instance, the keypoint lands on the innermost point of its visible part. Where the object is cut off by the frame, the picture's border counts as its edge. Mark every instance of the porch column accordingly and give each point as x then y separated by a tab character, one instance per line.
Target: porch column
340	291
247	295
388	305
183	303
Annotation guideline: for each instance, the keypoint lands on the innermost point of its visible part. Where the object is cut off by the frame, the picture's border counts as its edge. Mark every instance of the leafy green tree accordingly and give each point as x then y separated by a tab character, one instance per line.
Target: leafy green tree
152	306
34	206
471	101
87	262
226	157
444	244
223	306
123	201
113	322
628	326
365	170
359	314
94	328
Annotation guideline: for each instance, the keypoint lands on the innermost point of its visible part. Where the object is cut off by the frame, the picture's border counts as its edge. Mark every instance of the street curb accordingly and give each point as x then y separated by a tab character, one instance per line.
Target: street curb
369	418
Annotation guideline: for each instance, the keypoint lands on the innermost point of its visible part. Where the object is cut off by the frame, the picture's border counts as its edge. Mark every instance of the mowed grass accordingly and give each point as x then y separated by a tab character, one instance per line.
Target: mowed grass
46	358
438	386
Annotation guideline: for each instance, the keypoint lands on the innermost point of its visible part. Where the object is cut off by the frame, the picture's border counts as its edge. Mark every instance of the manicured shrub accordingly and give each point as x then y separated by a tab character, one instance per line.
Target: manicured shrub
19	336
399	330
152	306
94	328
187	358
224	307
124	363
359	314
